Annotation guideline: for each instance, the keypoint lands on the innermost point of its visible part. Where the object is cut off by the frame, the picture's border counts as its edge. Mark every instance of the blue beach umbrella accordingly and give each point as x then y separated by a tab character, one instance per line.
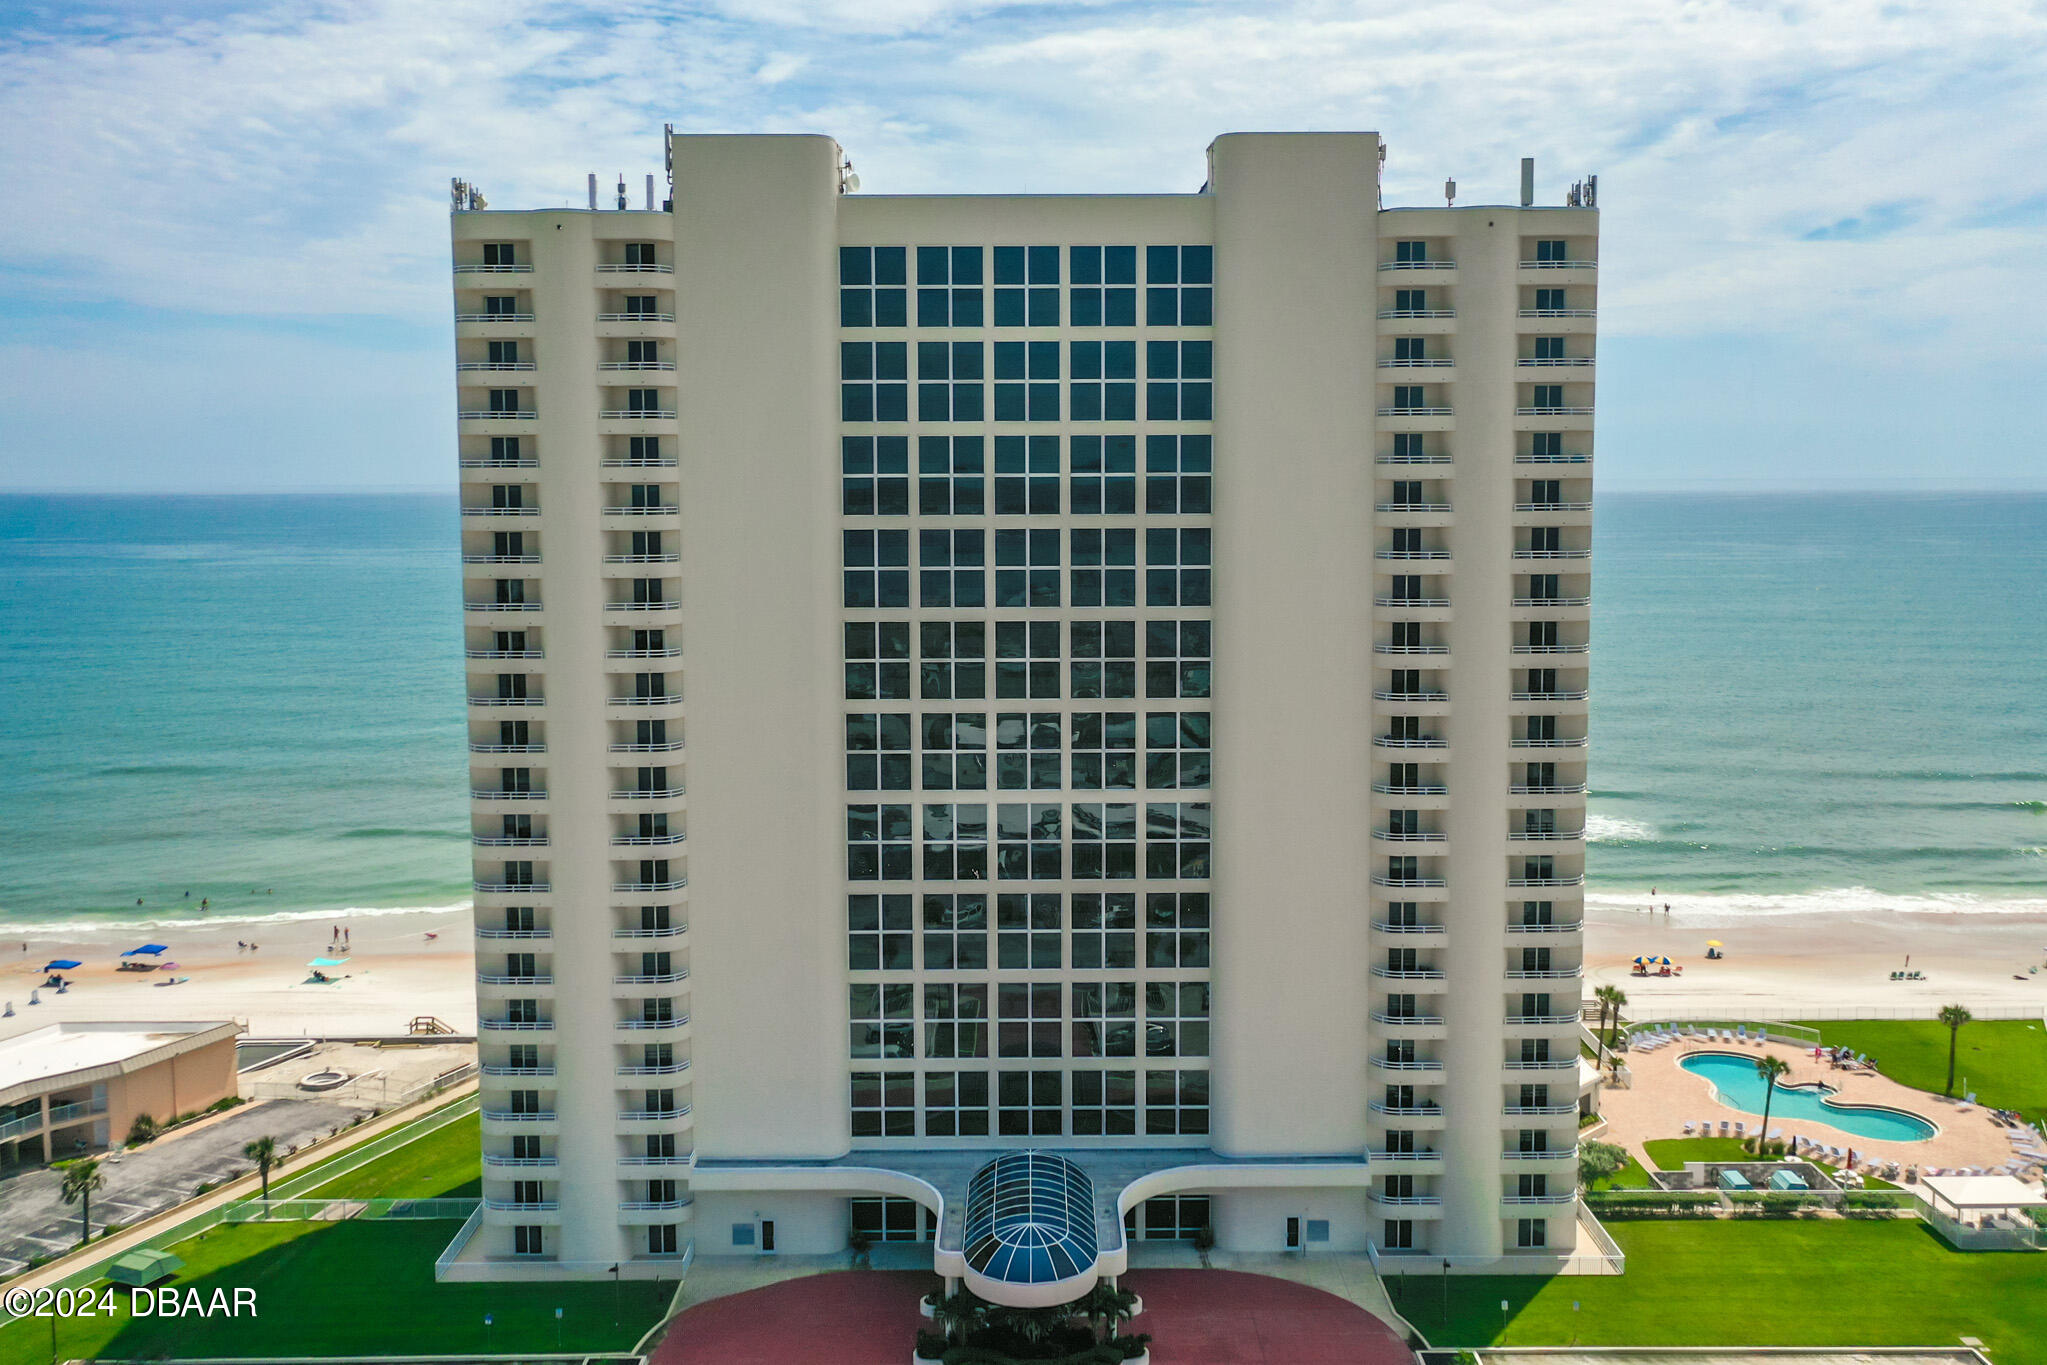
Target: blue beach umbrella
62	964
150	948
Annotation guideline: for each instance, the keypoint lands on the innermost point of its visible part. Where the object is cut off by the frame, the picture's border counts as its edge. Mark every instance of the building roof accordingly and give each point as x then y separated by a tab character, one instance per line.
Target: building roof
1031	1220
81	1053
1984	1192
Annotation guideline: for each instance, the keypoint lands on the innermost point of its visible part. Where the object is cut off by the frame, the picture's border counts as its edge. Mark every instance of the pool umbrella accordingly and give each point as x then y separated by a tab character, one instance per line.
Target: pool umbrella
1714	943
150	948
62	964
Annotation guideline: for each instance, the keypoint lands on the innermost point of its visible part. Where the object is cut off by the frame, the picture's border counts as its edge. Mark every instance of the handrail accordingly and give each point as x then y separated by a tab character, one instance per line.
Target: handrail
493	317
636	317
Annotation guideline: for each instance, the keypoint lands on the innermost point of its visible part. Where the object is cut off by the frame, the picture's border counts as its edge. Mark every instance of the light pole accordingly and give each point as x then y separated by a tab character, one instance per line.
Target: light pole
487	1334
557	1329
614	1294
1446	1291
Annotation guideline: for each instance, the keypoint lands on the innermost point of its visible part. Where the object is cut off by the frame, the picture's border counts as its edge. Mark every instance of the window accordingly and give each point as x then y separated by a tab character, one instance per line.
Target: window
1546	445
505	449
1104	659
1026	286
1027	931
1176	929
871	286
1397	1235
954	659
1027	658
1105	750
507	400
1176	658
882	1020
1176	749
1175	1102
878	844
949	375
1029	1020
1027	751
1552	250
1176	840
1105	841
642	306
1104	1102
1411	251
1176	566
1104	292
949	470
1546	396
955	752
1531	1232
884	1103
1027	842
527	1240
1410	302
1171	1218
956	1020
956	933
1410	398
956	1104
891	1220
877	660
1178	286
1176	1019
1104	929
951	569
949	286
502	305
1028	1103
1027	568
1026	476
1176	474
1104	475
874	474
874	381
878	932
877	567
1103	383
955	843
878	752
1545	492
1550	301
1549	348
1105	1019
1027	381
1104	567
501	253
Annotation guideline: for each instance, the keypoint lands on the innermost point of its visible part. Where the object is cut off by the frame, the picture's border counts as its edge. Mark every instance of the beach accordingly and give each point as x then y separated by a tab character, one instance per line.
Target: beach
393	973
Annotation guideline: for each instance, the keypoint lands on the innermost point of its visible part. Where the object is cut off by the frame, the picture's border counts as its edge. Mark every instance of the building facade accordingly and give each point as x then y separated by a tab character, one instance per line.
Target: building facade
1098	674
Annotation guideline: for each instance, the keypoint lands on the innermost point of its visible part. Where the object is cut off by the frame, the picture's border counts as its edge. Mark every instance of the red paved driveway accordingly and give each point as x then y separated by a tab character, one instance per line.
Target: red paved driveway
1196	1317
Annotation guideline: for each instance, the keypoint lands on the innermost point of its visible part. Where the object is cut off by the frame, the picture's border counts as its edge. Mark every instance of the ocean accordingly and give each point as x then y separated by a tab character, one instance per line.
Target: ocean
1802	703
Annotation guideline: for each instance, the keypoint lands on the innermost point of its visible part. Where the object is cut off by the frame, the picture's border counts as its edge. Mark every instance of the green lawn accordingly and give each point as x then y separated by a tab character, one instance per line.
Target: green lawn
2003	1060
349	1289
1671	1154
445	1164
1628	1177
1764	1283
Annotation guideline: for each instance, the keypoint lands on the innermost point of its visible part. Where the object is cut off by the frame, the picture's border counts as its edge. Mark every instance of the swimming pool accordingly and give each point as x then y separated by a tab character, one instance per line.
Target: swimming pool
1738	1086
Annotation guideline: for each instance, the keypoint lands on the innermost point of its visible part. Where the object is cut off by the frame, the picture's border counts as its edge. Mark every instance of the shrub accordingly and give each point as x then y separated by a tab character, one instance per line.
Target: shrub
221	1106
1652	1203
931	1345
1204	1238
203	1187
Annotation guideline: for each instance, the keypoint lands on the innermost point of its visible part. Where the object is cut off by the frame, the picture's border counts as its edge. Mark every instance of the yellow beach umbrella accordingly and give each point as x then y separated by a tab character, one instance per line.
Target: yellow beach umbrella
1714	943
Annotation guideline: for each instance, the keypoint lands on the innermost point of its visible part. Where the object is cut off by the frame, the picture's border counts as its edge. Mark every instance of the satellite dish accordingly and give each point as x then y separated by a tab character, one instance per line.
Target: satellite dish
852	181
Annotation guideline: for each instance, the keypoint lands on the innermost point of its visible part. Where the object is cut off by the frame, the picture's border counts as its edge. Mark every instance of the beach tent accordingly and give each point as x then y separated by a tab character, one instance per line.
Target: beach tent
150	948
62	964
328	962
145	1265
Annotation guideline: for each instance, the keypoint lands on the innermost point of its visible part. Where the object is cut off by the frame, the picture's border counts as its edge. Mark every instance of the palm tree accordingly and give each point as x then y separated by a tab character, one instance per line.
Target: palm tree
1106	1309
1771	1069
81	1178
1954	1016
1610	999
263	1151
957	1314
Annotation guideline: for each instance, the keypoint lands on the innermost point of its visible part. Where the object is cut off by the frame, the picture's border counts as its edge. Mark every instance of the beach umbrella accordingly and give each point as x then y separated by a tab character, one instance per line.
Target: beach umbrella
150	948
1659	962
1641	962
1714	943
328	962
62	964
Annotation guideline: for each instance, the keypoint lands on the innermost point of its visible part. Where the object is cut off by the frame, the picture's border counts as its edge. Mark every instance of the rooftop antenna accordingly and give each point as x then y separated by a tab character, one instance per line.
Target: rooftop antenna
621	189
650	191
1449	193
849	179
1527	182
593	191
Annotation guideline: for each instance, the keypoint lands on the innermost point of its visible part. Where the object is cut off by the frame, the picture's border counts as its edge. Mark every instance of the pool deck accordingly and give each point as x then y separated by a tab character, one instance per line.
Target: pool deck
1664	1097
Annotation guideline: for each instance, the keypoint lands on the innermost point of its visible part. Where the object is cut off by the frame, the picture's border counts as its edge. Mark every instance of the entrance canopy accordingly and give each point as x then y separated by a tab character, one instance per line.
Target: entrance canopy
1030	1234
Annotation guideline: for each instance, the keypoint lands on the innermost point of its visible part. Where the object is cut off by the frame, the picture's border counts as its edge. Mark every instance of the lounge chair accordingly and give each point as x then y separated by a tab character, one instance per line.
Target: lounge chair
1741	1130
1723	1128
1689	1126
1741	1033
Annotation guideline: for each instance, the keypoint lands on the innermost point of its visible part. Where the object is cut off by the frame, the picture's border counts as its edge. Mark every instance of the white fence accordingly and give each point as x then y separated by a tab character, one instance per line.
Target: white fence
341	1210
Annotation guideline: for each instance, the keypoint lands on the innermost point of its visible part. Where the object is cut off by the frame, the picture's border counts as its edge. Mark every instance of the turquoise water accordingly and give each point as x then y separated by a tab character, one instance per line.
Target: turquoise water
1741	1088
1816	703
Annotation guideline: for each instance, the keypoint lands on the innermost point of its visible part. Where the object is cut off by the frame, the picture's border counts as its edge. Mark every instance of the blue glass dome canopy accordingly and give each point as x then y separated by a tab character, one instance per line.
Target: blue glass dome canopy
1031	1222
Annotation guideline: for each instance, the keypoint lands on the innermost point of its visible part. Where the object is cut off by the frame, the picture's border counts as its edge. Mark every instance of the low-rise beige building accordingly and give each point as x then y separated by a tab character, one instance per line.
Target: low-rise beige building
79	1087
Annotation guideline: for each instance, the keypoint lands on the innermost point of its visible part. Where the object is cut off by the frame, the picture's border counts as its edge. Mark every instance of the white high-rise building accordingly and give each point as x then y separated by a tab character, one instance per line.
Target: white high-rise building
1095	675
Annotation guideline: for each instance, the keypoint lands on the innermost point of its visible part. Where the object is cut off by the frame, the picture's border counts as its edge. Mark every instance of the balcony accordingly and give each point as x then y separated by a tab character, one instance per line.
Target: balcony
638	269
1381	880
659	699
1559	1064
1395	363
1547	788
520	1162
1400	742
1558	602
613	366
1577	743
1397	836
516	1025
517	1070
1411	789
1414	507
477	269
502	654
1578	880
501	511
490	979
671	558
1551	695
507	748
77	1109
1407	1110
651	414
1543	1021
1545	1154
1427	694
643	606
639	511
1407	973
1410	555
512	888
488	462
1417	265
672	931
654	462
1526	1200
1544	835
519	1115
1406	1201
1415	1020
643	654
1392	314
1552	554
642	888
493	317
1559	312
1388	1064
1410	649
685	1160
1560	265
672	1069
652	1115
1417	603
636	317
1565	411
1421	412
650	979
521	1205
1550	974
1552	649
520	935
1563	927
647	794
646	840
652	1206
509	841
680	1021
496	366
501	606
493	415
1553	506
673	746
1381	926
1413	459
1552	459
1555	362
500	559
1406	1157
1524	1110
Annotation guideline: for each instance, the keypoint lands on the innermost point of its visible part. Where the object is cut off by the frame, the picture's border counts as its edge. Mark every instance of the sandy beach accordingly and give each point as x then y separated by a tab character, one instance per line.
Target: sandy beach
394	972
1781	967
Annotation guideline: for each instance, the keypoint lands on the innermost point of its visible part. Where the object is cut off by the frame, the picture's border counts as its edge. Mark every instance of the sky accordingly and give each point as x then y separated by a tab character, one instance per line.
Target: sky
224	250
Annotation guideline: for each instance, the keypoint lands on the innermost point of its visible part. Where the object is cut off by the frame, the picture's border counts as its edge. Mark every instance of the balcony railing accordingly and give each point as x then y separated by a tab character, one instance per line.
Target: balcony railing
1414	507
1548	1064
654	462
1553	507
640	888
519	1205
1523	1110
1407	973
1560	265
1385	928
501	511
1425	694
517	1070
516	1025
1552	554
500	559
512	888
1577	743
684	1160
1406	1110
468	268
1397	363
647	793
661	699
1548	974
1419	412
488	462
652	1205
1388	1064
1559	312
493	415
523	935
652	1115
1547	789
1565	411
652	414
1417	265
638	511
507	748
503	654
643	268
1552	459
501	606
647	840
1544	1020
1414	459
520	1162
671	931
1551	602
1411	789
1405	1200
642	606
1552	649
1555	362
1423	1155
1524	1200
636	317
1402	836
493	317
496	979
497	366
1543	1154
649	979
1402	742
1554	694
1541	835
670	558
1417	602
615	365
1578	880
78	1109
673	746
672	1069
654	1025
1561	927
509	841
490	699
1412	554
1417	1019
1392	313
1410	649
